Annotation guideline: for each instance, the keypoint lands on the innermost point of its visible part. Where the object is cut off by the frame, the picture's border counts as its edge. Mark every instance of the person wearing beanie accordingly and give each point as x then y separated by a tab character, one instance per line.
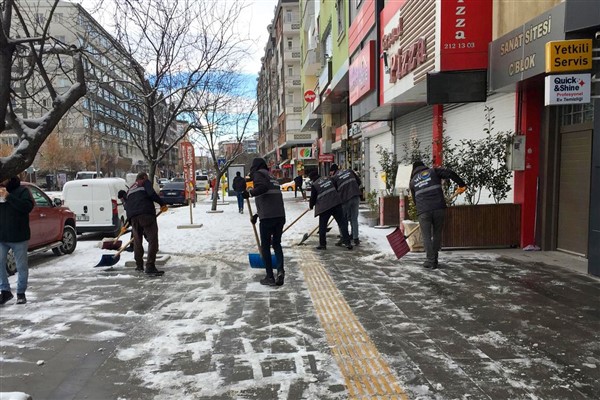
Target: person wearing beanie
15	205
327	203
271	212
141	214
348	184
426	190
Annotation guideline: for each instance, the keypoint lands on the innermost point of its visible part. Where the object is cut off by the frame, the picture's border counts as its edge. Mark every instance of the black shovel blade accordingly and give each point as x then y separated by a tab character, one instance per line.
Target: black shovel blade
108	260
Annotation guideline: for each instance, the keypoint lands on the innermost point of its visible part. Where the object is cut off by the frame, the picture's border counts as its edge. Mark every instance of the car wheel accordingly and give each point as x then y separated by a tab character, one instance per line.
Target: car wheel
11	265
290	189
69	240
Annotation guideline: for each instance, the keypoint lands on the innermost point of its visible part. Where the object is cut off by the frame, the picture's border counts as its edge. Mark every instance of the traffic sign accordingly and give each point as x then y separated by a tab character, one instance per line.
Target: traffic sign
310	96
220	162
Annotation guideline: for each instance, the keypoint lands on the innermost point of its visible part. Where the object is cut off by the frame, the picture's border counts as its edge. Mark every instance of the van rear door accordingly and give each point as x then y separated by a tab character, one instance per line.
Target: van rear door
79	198
102	205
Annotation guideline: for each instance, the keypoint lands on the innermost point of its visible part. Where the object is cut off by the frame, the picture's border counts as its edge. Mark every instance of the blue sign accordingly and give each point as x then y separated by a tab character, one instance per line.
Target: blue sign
220	162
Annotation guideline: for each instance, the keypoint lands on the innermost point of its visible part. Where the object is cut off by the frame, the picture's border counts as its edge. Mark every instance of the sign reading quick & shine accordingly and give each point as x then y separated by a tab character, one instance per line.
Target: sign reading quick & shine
567	89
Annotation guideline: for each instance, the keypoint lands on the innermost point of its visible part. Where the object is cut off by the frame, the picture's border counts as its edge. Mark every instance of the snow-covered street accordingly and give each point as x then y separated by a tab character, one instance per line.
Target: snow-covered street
345	324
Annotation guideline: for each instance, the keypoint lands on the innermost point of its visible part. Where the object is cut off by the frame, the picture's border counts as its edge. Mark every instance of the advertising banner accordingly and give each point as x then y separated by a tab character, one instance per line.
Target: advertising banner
189	175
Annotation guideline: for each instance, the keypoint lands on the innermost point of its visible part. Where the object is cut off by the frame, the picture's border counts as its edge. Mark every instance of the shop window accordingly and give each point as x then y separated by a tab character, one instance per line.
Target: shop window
574	114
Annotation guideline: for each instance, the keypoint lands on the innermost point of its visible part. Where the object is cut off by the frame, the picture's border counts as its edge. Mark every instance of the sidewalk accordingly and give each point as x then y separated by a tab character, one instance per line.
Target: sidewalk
346	324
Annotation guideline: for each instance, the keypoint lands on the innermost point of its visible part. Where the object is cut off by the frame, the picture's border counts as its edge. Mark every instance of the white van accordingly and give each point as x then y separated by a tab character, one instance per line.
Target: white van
96	204
88	175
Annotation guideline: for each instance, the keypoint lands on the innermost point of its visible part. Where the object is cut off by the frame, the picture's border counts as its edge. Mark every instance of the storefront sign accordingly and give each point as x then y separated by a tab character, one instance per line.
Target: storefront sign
328	157
305	153
569	55
567	89
341	133
465	34
519	54
362	73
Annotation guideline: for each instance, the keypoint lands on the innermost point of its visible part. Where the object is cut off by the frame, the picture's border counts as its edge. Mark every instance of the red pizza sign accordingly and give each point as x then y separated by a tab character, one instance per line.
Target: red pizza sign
309	96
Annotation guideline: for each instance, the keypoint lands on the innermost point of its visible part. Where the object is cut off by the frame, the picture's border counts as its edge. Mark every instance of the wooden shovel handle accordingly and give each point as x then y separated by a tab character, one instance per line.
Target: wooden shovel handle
296	220
253	225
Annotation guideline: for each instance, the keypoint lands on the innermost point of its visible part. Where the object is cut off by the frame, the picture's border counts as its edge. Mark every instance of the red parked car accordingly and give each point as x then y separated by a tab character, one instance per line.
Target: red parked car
52	226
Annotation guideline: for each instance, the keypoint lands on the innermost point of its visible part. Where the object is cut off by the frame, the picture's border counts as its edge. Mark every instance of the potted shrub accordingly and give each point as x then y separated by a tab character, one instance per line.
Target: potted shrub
390	202
372	216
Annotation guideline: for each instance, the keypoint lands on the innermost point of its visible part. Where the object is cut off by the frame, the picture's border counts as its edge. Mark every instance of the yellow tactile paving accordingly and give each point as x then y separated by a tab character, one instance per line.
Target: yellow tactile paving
367	374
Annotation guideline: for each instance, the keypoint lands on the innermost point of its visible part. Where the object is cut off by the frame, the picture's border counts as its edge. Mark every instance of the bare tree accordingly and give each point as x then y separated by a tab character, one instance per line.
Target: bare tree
178	44
28	55
225	112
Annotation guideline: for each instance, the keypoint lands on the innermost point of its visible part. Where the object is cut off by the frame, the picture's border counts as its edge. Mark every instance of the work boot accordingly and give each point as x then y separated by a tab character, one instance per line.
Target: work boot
356	242
21	299
321	247
268	281
339	243
5	296
139	268
151	270
280	277
348	246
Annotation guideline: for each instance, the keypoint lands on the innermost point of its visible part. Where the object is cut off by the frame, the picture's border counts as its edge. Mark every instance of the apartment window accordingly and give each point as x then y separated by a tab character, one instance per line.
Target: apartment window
290	43
290	70
40	18
58	17
341	14
288	15
46	103
290	97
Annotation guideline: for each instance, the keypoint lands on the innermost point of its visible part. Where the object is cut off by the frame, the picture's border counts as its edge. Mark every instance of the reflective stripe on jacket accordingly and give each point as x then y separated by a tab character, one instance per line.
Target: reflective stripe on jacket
347	184
269	200
327	195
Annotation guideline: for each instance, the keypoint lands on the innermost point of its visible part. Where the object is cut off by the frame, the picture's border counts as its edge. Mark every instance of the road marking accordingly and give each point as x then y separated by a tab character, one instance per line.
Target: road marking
367	374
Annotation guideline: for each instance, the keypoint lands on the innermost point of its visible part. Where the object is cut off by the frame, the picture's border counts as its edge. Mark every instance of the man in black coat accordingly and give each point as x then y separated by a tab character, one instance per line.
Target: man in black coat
298	181
141	213
15	205
270	210
426	189
239	185
348	186
326	201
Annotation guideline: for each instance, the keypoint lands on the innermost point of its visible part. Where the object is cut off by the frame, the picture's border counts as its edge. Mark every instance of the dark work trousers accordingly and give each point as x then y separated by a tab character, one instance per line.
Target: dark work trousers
299	189
351	213
432	225
144	226
337	213
271	230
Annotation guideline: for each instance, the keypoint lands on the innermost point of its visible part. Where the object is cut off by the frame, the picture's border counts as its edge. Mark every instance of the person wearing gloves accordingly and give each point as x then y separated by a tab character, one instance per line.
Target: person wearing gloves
141	214
348	186
15	205
327	203
426	189
271	212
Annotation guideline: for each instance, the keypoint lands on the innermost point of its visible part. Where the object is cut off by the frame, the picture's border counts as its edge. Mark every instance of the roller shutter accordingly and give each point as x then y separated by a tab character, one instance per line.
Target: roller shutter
385	141
417	126
467	121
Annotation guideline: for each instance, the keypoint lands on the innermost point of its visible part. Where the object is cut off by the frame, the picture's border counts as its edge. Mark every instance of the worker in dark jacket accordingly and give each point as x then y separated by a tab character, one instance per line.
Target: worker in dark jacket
271	212
298	181
239	185
426	189
348	186
141	214
15	205
326	201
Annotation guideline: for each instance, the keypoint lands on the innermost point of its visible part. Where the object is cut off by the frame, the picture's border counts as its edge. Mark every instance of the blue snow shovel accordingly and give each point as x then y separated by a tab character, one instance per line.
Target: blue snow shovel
256	260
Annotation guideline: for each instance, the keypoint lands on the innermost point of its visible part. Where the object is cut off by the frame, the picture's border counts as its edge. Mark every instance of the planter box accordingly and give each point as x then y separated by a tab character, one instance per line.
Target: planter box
486	225
389	210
